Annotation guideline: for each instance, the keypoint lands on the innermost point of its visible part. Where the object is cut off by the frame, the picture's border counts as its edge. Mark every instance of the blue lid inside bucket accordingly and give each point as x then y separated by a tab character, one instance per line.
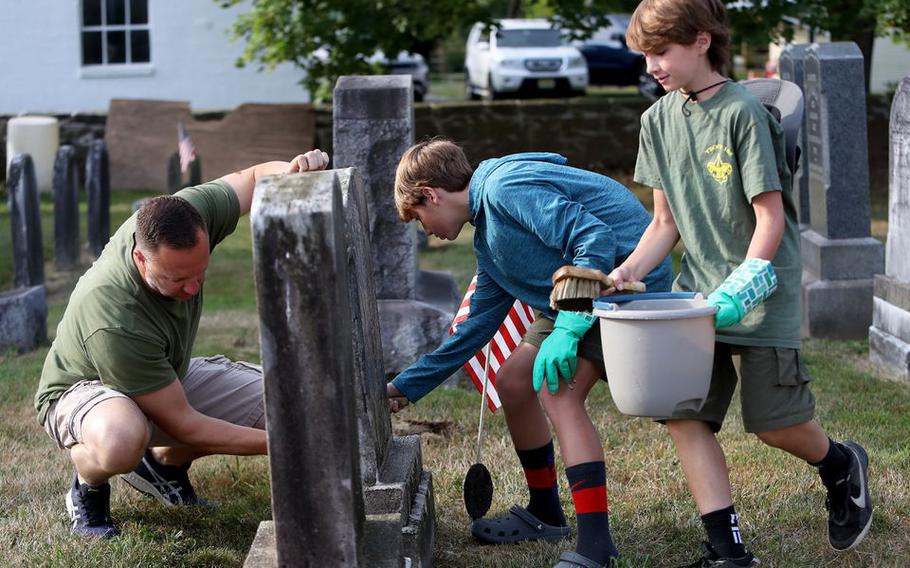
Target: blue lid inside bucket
603	303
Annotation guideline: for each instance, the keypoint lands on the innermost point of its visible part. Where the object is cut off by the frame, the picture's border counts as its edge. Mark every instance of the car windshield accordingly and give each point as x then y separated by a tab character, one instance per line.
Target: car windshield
529	38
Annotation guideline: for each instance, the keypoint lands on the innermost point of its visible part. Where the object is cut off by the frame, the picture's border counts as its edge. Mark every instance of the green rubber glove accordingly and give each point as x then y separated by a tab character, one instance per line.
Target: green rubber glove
750	284
558	353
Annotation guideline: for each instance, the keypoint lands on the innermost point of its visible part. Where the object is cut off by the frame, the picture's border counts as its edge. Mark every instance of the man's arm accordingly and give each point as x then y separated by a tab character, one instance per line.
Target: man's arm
656	243
169	409
244	181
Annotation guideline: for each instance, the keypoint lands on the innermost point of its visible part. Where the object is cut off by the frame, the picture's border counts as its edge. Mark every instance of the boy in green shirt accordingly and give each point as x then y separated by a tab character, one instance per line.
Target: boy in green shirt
716	160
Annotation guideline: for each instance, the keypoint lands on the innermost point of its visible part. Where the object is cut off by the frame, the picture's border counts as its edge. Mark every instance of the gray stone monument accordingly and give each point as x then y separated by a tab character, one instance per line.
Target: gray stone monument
345	492
23	319
373	121
839	255
25	223
66	209
889	336
98	192
791	69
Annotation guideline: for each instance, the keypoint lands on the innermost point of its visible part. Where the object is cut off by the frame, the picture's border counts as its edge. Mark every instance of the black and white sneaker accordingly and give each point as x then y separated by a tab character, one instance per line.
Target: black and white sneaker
711	559
170	484
849	503
89	508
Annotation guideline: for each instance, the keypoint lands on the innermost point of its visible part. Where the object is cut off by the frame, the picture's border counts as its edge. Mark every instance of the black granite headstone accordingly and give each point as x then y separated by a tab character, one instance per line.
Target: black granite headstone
98	190
25	222
66	209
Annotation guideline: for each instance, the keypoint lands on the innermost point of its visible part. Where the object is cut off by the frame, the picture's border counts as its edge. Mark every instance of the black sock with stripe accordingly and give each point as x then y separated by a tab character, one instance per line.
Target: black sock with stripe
588	482
540	472
722	527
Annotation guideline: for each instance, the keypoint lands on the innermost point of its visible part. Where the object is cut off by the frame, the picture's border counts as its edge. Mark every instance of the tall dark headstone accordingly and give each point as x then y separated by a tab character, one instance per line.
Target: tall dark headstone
66	209
98	192
373	125
307	359
839	255
889	336
790	64
25	222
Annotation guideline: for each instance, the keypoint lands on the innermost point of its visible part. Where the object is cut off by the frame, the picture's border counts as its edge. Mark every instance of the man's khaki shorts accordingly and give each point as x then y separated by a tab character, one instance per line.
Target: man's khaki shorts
774	388
215	386
589	347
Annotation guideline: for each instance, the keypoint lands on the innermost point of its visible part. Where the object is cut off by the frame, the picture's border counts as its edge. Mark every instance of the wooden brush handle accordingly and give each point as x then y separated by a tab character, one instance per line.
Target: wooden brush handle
593	274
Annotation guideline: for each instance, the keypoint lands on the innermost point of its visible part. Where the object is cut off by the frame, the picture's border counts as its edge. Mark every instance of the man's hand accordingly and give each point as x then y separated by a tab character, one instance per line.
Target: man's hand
397	400
312	161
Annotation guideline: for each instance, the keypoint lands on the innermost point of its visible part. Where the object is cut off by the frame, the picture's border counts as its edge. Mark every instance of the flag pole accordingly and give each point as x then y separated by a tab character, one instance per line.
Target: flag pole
483	402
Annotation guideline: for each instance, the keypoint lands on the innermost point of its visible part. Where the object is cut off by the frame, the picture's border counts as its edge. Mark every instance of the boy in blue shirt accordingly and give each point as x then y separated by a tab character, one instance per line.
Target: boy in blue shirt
532	214
716	160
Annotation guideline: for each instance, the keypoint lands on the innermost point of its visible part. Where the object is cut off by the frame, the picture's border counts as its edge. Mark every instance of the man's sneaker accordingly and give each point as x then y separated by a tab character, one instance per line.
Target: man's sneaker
711	559
89	508
849	503
170	484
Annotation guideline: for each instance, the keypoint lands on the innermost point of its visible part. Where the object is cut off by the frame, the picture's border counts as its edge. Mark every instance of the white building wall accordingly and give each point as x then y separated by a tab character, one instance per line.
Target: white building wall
192	59
890	64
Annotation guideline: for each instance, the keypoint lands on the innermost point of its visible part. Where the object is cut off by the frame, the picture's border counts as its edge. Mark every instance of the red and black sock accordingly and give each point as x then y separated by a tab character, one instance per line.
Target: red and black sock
588	482
722	527
540	471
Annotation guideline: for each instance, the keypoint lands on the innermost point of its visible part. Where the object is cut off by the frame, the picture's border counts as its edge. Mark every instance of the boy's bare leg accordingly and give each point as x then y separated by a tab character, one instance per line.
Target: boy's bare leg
578	438
806	441
526	420
703	463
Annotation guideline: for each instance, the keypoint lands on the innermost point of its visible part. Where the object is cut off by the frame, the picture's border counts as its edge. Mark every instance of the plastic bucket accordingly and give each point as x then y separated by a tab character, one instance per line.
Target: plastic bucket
658	351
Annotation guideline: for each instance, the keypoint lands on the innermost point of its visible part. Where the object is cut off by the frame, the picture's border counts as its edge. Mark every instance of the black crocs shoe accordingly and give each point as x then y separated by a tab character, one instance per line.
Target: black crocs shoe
517	525
849	503
711	559
89	508
170	484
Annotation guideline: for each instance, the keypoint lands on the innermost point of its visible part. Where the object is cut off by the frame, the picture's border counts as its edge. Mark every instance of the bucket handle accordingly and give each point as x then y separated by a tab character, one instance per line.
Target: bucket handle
621	298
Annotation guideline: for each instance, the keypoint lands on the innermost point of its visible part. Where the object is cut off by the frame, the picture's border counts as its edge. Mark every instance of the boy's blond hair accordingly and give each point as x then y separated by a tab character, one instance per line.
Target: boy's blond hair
438	163
657	23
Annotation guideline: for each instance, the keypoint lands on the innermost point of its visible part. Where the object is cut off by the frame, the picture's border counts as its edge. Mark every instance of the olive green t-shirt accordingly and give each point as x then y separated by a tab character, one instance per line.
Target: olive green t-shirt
710	162
115	330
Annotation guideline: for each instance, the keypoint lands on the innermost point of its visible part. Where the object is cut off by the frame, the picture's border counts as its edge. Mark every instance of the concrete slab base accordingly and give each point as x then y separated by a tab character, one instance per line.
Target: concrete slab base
23	319
409	329
836	309
890	353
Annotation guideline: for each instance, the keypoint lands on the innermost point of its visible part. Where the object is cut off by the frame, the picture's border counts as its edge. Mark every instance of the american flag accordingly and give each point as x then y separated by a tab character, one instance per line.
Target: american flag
507	338
185	148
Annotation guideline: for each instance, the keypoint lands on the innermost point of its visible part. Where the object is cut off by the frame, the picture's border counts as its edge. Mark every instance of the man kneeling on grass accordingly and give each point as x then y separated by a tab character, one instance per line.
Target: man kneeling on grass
119	389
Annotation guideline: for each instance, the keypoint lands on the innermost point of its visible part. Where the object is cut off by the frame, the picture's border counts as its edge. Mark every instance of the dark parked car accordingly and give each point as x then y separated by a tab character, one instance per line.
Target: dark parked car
611	62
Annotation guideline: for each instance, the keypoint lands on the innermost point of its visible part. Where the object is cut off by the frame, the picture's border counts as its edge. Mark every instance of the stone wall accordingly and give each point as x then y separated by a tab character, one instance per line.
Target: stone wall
595	133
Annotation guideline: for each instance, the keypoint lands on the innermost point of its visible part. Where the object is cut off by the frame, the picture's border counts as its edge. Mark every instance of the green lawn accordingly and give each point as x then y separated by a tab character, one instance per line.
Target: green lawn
654	520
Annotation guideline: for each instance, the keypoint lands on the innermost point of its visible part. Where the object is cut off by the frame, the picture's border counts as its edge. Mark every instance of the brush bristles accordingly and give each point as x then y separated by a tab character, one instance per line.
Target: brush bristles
574	294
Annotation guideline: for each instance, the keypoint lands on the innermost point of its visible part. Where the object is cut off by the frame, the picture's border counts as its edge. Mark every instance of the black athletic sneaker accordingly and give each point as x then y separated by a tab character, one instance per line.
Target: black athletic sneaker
170	484
89	508
849	503
711	559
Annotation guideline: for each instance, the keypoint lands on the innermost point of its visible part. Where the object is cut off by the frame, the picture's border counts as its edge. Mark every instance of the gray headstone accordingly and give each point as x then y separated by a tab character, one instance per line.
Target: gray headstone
25	223
66	209
373	120
23	319
374	423
837	149
791	69
98	192
889	336
305	333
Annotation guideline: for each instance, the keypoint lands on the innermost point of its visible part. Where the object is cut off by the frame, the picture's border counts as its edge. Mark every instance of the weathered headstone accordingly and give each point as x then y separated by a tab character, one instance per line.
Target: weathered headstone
889	336
790	64
66	209
25	222
98	192
23	318
839	255
373	121
320	350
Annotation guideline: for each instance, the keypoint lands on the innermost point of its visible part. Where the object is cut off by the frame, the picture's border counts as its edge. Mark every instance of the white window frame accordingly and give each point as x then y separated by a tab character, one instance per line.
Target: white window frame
105	68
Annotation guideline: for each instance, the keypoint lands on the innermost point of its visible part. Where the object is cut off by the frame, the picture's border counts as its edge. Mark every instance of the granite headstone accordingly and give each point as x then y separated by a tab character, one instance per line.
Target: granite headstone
791	69
98	192
25	223
66	209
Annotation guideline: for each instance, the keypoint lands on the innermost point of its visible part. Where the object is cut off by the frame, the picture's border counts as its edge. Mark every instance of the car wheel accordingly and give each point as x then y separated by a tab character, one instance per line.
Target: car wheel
649	87
469	92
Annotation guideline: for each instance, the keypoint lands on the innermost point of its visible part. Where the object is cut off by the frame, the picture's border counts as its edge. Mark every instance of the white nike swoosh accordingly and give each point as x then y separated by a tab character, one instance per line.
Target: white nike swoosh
861	501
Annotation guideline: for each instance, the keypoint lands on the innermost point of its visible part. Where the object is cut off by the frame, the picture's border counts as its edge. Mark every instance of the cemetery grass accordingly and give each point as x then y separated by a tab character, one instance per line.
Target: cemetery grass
654	520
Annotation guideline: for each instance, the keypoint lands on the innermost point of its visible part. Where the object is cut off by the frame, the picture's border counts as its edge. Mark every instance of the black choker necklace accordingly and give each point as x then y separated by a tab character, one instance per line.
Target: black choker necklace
693	96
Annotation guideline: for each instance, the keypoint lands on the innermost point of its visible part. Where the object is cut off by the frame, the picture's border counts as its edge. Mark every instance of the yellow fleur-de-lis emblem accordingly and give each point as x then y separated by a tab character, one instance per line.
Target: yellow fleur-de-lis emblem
719	169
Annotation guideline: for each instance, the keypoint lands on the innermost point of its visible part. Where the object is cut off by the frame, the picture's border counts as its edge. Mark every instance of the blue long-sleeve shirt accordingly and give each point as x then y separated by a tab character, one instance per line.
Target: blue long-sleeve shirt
533	214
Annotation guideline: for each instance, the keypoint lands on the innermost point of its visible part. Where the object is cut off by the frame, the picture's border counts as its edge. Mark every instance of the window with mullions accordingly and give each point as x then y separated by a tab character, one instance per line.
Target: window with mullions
115	32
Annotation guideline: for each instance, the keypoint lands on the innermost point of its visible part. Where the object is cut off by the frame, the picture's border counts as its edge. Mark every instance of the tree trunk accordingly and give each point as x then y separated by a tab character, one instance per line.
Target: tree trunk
514	10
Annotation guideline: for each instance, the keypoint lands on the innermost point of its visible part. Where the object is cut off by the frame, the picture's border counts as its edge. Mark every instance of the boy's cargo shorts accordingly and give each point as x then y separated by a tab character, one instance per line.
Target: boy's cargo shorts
774	388
589	347
215	386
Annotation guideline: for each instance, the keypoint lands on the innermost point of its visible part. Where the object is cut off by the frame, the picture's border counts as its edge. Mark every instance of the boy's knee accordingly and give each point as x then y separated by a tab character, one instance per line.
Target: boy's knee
773	438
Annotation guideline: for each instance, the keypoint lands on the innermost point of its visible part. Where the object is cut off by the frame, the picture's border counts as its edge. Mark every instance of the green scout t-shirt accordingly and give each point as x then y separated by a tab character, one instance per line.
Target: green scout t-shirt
710	162
115	330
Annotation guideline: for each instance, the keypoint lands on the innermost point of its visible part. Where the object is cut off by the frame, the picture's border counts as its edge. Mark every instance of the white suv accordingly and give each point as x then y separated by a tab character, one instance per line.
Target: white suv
522	57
